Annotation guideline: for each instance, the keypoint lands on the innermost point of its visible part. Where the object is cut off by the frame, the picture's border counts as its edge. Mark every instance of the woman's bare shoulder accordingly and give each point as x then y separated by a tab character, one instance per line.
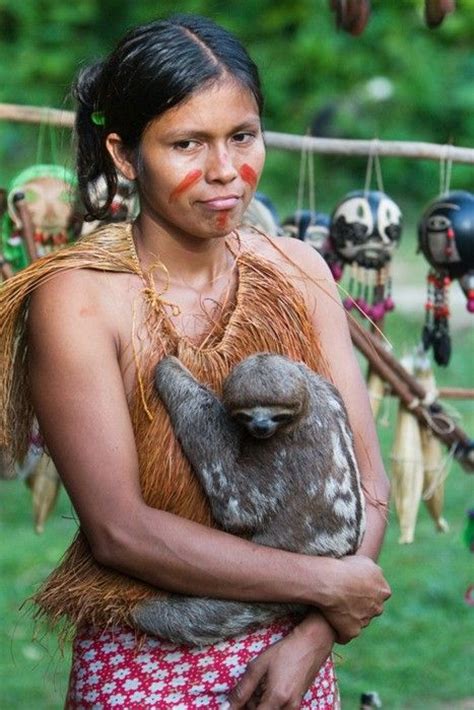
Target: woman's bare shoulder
79	306
293	257
70	291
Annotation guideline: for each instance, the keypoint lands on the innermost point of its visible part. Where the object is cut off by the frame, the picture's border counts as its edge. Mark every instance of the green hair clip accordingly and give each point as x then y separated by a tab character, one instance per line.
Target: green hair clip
98	118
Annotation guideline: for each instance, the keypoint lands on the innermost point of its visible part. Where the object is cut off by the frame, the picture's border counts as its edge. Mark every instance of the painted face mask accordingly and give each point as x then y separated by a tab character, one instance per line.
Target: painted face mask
365	230
47	192
446	240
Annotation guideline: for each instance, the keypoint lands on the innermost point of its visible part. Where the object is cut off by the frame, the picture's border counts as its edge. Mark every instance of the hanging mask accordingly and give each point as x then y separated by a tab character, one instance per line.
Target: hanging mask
365	230
124	206
446	233
262	214
48	194
446	239
313	228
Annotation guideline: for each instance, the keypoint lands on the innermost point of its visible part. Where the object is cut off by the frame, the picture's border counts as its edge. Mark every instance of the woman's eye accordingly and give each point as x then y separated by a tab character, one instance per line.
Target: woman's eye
243	137
186	145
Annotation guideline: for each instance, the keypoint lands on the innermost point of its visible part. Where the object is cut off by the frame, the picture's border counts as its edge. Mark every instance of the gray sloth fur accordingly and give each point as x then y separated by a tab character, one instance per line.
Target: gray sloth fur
275	458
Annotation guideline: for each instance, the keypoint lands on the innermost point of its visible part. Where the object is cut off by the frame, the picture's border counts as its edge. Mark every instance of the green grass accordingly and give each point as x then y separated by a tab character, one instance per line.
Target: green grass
33	674
418	655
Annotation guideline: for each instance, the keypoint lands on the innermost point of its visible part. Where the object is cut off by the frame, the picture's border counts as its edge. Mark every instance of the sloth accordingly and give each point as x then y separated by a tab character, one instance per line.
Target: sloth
275	458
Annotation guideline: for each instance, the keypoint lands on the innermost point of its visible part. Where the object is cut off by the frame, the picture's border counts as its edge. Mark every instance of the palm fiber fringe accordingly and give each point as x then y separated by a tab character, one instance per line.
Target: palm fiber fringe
268	314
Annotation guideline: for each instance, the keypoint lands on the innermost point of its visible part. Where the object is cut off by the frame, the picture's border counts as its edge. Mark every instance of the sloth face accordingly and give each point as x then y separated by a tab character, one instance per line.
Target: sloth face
264	422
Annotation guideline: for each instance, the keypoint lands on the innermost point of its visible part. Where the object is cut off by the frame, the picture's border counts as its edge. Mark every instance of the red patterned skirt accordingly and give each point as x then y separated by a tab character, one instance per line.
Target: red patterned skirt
110	670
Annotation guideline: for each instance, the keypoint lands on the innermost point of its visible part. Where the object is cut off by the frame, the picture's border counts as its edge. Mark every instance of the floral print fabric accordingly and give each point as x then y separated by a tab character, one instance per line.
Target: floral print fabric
110	670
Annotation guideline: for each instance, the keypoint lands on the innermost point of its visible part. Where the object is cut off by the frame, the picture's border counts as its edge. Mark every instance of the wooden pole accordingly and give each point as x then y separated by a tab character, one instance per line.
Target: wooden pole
36	114
456	393
394	149
281	141
412	395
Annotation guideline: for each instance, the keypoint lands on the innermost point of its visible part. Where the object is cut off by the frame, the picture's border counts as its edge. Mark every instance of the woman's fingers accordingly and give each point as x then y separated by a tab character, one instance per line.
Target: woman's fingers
247	687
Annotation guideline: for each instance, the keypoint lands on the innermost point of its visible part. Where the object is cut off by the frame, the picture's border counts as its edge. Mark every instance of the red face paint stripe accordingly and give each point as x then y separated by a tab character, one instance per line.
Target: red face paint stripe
248	175
222	220
187	181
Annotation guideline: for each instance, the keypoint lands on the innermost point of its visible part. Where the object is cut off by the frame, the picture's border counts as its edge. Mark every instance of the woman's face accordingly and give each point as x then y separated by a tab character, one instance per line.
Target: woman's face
200	162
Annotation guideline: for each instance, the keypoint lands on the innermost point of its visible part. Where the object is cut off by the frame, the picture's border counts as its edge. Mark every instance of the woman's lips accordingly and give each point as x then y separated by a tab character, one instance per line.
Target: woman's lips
221	203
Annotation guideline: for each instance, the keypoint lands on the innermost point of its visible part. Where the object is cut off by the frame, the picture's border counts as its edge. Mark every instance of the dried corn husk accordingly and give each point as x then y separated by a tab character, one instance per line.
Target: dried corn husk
44	483
434	463
376	389
407	469
434	466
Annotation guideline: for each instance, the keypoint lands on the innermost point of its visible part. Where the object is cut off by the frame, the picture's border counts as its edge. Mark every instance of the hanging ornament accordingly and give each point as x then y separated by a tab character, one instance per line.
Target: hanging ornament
365	231
446	239
261	213
45	485
435	464
436	10
351	15
124	206
313	228
376	391
407	468
39	215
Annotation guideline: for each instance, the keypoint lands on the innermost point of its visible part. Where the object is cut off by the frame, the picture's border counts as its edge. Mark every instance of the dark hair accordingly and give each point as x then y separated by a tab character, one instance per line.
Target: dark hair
153	68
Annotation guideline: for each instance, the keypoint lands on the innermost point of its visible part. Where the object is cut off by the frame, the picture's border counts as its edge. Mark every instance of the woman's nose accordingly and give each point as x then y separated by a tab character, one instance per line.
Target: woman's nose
220	166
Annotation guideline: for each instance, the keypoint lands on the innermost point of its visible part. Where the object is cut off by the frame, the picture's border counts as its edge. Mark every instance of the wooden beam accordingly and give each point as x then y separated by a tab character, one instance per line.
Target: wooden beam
281	141
36	114
394	149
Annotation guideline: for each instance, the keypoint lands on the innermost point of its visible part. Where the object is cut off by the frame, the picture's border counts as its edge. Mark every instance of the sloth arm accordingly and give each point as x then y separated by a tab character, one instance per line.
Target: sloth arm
75	325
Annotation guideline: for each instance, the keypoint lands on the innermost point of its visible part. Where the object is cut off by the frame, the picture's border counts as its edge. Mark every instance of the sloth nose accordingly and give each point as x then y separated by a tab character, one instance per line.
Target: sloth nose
261	428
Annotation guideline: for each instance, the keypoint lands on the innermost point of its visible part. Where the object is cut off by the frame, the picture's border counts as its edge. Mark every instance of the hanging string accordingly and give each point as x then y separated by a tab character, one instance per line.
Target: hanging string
46	129
301	178
445	169
311	189
306	168
373	161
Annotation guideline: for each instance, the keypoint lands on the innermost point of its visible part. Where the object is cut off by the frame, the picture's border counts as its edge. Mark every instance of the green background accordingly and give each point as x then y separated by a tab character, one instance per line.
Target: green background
419	654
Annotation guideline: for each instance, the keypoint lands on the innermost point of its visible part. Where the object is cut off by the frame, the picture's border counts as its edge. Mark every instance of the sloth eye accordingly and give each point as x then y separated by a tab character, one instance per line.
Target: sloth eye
281	418
243	417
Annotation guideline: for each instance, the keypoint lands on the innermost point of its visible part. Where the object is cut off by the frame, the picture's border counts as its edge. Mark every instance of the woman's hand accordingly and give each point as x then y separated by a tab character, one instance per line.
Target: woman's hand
282	674
357	592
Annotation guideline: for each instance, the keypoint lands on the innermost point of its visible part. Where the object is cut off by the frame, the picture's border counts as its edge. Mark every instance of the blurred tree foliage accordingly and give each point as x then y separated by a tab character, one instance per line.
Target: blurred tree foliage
399	80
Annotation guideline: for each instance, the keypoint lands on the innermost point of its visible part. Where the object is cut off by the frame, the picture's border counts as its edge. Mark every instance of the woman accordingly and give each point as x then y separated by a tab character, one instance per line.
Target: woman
176	108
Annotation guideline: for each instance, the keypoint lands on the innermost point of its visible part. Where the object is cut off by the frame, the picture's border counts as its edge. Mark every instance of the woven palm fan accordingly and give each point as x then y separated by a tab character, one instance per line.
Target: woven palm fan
407	468
434	463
